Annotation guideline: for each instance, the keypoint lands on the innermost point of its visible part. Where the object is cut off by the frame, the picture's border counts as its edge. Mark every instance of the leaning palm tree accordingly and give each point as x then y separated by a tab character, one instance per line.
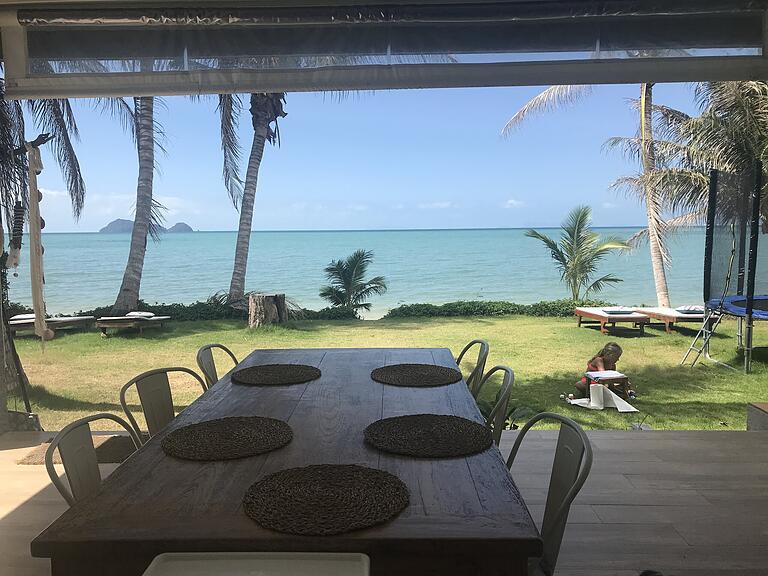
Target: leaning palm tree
348	288
265	110
579	251
556	97
138	119
55	118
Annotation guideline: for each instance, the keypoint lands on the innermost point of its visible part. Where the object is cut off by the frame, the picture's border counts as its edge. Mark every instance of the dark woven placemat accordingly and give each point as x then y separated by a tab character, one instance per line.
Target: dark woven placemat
429	436
109	450
325	499
227	438
275	374
416	375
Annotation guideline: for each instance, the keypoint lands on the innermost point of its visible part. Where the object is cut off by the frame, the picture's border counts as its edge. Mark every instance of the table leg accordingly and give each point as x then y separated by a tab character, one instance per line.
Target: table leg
603	329
669	327
578	321
642	327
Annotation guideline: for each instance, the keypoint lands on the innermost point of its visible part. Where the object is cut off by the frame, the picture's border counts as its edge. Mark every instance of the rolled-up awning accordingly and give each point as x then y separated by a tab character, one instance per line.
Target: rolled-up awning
104	48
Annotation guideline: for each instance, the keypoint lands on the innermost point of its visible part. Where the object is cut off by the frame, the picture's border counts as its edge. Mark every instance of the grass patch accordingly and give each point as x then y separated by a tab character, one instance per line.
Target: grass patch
81	373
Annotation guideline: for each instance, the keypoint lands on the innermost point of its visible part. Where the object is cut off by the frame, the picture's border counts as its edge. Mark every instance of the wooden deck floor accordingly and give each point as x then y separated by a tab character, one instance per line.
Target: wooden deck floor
683	503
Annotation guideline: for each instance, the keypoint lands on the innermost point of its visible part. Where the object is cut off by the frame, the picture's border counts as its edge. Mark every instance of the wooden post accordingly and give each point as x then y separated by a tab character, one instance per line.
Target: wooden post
266	309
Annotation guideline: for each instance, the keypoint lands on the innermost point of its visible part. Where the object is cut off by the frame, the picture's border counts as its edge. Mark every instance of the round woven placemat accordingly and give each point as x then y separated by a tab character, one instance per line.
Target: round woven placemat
325	499
275	374
429	436
416	375
227	438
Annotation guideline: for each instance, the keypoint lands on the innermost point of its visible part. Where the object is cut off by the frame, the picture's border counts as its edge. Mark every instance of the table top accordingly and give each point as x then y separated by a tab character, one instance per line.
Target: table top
162	504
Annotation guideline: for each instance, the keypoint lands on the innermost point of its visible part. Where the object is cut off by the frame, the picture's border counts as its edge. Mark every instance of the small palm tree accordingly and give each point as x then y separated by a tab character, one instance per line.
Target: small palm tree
579	251
347	287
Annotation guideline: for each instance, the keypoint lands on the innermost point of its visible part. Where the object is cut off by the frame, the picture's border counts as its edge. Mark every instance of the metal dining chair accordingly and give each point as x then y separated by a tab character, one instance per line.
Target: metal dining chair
498	416
474	378
573	461
78	455
154	391
207	364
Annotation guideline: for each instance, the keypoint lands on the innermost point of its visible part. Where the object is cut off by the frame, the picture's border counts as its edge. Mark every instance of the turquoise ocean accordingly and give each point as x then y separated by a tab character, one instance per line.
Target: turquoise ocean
84	270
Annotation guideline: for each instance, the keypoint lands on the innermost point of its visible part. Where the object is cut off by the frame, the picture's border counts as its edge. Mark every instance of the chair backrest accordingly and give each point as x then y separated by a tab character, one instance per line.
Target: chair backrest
498	416
571	466
78	455
207	364
474	378
155	397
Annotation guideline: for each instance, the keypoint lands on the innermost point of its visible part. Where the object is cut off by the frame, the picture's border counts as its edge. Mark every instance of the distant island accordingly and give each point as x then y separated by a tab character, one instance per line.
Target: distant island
121	226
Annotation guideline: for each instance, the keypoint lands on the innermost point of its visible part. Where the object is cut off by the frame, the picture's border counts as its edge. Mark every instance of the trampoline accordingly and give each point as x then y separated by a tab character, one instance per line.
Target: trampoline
735	282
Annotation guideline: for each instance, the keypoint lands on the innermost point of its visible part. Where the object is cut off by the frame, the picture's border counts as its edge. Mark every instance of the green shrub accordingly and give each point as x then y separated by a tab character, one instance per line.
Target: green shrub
553	308
210	310
331	313
18	308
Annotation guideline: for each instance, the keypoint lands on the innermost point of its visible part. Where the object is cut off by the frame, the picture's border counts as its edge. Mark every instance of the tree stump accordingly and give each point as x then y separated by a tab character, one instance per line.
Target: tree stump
266	309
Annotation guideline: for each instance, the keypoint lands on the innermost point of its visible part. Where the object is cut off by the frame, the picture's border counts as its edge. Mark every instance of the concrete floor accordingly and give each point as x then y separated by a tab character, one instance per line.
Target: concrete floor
683	503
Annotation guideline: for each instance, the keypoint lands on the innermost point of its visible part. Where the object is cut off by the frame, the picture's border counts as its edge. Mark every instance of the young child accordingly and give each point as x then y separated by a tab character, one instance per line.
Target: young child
606	359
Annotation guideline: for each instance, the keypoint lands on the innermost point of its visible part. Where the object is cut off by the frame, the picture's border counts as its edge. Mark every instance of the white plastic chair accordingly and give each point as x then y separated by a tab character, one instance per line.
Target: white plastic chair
155	398
78	455
573	461
207	364
498	416
261	563
474	378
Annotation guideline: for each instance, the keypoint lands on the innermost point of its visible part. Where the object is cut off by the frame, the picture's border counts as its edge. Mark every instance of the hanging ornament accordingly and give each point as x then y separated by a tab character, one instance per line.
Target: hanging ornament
17	233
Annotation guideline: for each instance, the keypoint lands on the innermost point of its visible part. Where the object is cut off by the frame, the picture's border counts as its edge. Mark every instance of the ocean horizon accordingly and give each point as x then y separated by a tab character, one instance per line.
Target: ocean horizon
83	270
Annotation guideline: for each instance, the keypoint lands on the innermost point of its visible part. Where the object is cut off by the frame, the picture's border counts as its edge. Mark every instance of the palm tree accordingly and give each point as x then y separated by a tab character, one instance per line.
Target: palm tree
578	253
556	97
266	110
55	118
139	122
347	287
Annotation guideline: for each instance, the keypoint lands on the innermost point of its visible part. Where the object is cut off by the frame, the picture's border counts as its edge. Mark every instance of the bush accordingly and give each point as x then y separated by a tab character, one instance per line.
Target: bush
331	313
18	308
210	310
552	308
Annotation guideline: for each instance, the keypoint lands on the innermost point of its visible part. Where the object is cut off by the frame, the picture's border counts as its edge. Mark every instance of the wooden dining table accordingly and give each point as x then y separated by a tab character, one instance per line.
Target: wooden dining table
465	516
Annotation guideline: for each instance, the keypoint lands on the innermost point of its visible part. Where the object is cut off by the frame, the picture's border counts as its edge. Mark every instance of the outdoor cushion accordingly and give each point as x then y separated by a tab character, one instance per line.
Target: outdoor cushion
23	317
692	309
141	314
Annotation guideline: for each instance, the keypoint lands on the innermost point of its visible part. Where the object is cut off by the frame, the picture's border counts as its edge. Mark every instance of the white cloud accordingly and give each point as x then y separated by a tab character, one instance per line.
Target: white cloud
358	207
438	205
512	203
609	205
47	192
173	204
399	206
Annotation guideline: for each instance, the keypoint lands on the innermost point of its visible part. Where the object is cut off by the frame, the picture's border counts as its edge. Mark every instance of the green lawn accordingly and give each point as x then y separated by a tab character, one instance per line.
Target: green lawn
81	373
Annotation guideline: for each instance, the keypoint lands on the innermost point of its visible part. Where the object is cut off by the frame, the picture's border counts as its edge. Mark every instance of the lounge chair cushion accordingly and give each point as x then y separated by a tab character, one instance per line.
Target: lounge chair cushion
141	314
693	309
23	317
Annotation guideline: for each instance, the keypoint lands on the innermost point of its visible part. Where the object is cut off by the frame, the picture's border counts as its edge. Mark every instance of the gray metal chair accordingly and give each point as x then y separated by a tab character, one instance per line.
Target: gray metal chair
78	455
207	364
573	461
474	378
498	416
155	398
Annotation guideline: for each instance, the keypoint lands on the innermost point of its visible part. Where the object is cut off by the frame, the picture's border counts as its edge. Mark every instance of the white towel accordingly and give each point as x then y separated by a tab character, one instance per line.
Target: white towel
600	397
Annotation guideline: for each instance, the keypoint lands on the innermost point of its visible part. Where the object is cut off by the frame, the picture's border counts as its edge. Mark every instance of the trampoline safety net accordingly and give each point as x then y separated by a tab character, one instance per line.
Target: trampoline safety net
735	271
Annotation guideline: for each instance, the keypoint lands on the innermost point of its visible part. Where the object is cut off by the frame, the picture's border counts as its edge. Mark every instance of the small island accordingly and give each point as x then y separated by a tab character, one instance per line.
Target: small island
122	226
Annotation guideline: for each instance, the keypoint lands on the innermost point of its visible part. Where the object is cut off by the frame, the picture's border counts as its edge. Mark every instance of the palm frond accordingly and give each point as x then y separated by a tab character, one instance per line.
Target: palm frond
156	220
229	108
553	98
119	109
55	117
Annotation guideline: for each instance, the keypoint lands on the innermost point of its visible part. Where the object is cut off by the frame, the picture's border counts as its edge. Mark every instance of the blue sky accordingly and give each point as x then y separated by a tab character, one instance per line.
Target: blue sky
395	159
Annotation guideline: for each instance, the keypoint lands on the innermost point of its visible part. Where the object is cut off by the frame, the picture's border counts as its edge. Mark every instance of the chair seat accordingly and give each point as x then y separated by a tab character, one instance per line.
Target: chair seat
261	563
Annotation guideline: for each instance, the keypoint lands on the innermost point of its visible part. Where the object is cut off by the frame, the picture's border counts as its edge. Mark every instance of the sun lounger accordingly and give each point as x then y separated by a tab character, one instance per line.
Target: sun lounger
138	320
611	315
671	316
26	322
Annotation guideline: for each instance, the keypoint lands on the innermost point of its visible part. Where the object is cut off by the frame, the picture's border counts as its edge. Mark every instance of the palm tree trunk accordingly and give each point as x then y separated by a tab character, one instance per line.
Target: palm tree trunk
128	297
652	208
237	284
